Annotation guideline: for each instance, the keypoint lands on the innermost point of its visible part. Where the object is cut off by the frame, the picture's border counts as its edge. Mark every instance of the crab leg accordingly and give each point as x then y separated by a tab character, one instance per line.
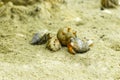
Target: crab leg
70	49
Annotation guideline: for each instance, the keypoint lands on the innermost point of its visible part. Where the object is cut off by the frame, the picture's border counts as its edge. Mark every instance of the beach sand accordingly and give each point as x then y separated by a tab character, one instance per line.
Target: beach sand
19	60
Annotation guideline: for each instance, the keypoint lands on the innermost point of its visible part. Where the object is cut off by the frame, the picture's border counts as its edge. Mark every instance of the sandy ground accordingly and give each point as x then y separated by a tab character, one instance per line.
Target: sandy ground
21	61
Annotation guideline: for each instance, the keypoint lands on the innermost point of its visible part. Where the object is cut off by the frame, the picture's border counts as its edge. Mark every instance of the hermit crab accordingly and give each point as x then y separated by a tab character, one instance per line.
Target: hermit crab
53	44
76	45
43	36
64	34
68	37
40	37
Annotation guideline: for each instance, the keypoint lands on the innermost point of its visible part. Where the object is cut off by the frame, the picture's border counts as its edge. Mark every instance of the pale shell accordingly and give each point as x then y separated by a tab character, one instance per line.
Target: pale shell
78	45
53	44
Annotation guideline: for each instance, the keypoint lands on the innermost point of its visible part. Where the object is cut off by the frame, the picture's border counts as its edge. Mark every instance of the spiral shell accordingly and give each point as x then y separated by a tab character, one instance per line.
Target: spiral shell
41	37
64	34
53	44
75	45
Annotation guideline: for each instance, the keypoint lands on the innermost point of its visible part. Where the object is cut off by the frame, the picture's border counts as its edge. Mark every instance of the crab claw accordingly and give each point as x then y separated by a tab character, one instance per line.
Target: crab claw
70	49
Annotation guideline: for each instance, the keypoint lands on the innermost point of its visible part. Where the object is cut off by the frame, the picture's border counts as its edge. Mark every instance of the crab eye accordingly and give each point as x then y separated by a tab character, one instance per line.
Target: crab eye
74	33
69	29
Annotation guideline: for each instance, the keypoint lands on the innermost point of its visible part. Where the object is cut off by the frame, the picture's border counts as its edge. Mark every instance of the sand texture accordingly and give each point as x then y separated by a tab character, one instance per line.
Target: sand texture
20	19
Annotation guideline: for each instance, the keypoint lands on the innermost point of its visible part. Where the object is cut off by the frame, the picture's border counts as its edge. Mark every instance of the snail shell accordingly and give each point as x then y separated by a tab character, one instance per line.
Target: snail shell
64	34
41	37
109	3
75	45
53	44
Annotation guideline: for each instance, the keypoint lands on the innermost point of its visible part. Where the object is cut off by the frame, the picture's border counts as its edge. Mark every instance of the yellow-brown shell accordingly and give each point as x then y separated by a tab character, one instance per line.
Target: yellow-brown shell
53	44
64	34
